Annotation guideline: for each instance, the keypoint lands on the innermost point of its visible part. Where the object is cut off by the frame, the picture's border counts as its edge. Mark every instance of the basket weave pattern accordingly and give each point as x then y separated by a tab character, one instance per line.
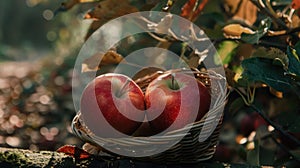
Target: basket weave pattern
190	148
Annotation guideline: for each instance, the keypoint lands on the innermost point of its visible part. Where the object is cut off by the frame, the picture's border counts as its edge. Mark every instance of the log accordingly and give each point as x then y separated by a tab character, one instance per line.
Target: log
12	157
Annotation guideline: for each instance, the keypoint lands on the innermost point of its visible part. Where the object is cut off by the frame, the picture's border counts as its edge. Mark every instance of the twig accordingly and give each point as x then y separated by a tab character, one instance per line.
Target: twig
269	6
248	100
157	38
267	12
293	30
277	128
284	148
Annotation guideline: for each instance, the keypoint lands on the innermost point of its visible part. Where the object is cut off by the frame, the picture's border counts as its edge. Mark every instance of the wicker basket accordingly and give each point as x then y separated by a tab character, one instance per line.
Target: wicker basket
190	149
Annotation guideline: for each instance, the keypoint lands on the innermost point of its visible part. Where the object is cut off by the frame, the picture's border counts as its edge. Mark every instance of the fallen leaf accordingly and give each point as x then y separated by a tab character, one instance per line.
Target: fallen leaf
94	62
234	31
74	151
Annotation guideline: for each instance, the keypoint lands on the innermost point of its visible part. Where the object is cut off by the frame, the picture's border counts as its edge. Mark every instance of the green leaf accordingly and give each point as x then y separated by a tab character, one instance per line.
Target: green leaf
278	56
243	82
253	155
267	156
177	6
252	38
226	51
262	70
159	6
262	30
215	33
236	105
297	48
281	2
296	153
290	121
261	155
210	20
294	64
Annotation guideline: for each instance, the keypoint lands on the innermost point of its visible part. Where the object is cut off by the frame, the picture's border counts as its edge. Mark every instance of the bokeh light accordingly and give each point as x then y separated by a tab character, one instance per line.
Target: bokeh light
48	14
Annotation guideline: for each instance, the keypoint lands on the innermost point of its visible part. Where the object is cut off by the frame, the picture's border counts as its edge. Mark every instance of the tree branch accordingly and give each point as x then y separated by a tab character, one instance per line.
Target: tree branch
270	14
276	127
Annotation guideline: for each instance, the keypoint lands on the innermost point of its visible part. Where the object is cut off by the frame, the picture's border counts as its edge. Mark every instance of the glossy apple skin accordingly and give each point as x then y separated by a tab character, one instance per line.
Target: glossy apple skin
105	113
159	93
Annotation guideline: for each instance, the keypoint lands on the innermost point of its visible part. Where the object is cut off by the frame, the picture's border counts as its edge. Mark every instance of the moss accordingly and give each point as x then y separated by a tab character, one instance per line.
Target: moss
25	158
12	159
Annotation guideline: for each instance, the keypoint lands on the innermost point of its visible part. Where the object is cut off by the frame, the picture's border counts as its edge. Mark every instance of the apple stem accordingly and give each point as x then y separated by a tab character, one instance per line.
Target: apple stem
172	84
120	92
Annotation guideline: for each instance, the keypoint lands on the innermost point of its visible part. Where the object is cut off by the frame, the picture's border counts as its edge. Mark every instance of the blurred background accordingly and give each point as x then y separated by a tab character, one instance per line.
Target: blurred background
37	54
38	48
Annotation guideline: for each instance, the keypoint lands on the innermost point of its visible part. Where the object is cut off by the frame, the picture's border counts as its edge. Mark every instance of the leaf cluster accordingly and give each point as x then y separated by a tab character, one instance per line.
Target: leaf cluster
257	43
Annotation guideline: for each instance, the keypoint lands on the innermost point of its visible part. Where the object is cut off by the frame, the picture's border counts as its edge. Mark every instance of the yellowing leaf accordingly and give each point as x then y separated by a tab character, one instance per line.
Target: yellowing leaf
95	62
276	93
234	31
243	10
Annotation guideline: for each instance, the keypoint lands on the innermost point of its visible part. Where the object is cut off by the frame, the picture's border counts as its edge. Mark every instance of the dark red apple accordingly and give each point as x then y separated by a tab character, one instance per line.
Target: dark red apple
251	122
258	121
247	124
174	100
112	104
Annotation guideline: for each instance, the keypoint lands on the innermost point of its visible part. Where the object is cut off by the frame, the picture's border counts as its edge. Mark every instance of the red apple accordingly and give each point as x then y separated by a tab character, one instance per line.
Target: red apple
112	104
247	124
251	122
258	121
175	100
